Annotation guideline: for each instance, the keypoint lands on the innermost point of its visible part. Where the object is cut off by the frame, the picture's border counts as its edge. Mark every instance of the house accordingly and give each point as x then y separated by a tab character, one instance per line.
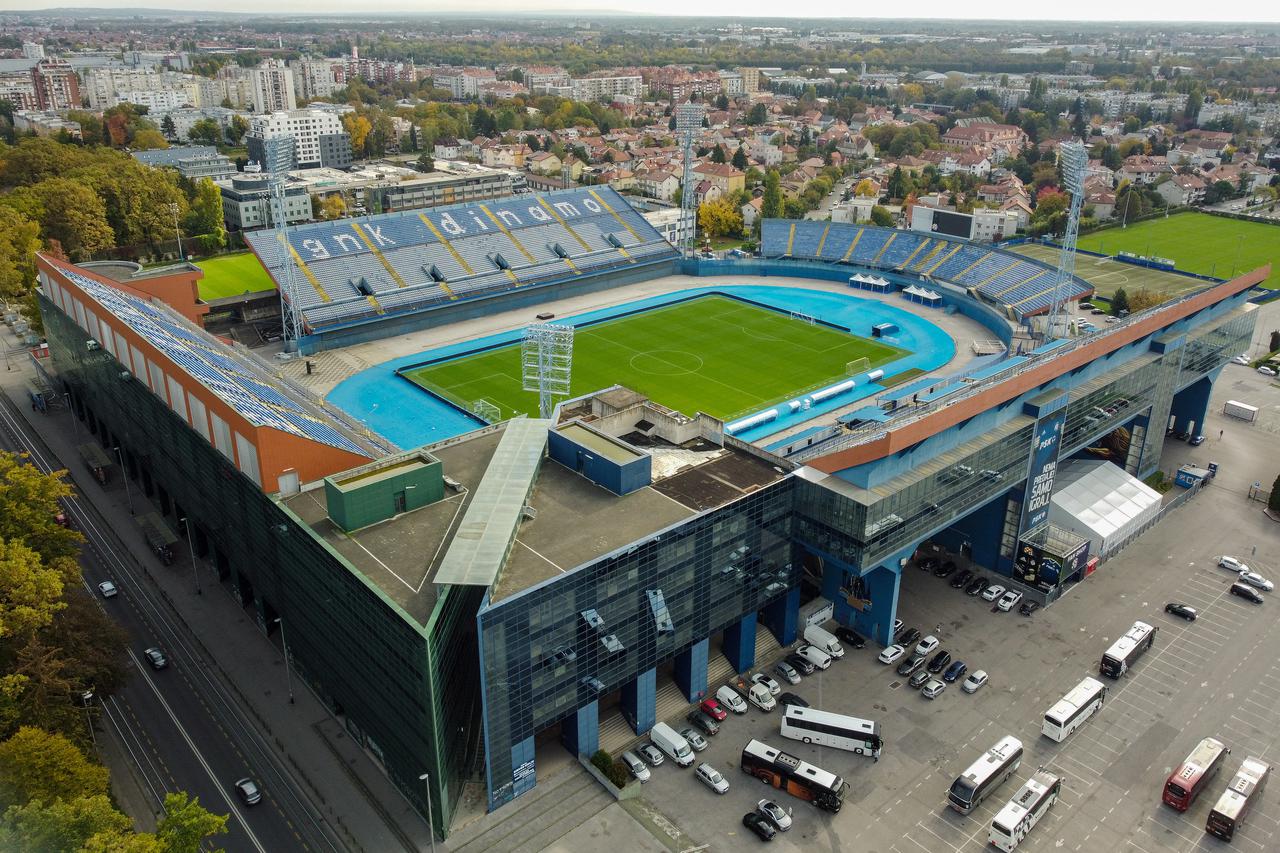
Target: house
1142	169
751	211
707	191
1103	203
658	184
1005	136
974	162
1020	208
544	163
447	148
1181	190
505	156
725	177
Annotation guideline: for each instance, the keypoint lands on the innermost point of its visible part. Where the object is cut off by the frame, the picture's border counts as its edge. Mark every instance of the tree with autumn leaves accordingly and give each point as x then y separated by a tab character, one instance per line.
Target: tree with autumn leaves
54	645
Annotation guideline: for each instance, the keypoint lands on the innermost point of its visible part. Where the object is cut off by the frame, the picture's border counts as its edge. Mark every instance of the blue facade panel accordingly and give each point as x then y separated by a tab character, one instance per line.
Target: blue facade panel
580	731
640	701
691	670
782	617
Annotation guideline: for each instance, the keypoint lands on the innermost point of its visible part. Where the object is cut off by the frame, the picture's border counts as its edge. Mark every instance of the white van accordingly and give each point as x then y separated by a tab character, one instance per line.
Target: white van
825	640
761	697
731	699
672	744
814	655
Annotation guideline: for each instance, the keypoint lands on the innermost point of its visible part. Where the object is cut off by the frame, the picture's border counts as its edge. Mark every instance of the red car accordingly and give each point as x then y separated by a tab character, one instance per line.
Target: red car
713	709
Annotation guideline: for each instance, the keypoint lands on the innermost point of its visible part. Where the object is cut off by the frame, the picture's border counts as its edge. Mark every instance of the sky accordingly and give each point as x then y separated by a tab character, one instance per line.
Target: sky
1162	11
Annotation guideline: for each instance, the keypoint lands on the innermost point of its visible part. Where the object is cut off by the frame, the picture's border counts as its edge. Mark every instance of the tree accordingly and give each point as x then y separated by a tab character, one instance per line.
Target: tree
30	591
332	206
897	186
881	216
722	101
1145	298
771	205
186	823
1119	302
426	163
1273	501
168	128
37	765
865	189
74	215
236	129
205	213
720	218
19	240
718	155
148	139
68	825
758	114
358	128
205	130
740	161
1274	343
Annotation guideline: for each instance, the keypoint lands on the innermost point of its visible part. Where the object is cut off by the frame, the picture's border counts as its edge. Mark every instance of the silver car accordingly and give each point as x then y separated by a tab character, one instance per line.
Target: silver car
787	671
650	753
696	740
712	778
636	766
775	814
933	688
1255	579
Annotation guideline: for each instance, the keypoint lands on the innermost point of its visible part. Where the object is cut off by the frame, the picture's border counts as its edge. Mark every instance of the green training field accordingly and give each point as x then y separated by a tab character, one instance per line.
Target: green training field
1197	242
712	354
231	275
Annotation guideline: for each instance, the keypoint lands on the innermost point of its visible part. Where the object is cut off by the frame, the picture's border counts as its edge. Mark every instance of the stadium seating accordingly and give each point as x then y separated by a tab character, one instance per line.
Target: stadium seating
354	268
1020	285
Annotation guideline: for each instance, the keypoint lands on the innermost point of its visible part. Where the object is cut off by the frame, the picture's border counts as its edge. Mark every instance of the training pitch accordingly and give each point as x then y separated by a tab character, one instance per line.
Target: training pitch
1198	242
711	354
231	275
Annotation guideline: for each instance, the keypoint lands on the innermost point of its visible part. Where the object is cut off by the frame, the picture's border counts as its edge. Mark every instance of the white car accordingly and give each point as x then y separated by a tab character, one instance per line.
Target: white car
892	653
976	680
1232	564
1255	579
1266	371
731	699
766	682
759	695
933	688
1240	359
993	592
1009	600
815	656
775	814
927	646
696	740
108	589
712	778
636	766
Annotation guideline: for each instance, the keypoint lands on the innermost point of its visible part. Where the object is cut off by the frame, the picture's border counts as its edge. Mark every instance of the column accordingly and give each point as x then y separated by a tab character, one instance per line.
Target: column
580	732
524	771
639	701
740	643
876	621
691	670
782	616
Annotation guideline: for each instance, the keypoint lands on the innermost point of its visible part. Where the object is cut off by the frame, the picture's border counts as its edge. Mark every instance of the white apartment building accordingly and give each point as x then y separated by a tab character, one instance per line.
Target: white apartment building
595	88
319	137
156	90
271	87
731	83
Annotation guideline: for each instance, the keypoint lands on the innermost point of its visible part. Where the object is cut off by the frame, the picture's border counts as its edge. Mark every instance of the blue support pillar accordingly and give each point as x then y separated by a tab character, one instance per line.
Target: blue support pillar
524	771
691	671
783	615
640	701
876	622
580	732
740	643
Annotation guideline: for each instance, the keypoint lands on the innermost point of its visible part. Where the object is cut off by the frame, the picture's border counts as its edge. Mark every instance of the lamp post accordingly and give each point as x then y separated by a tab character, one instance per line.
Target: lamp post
173	208
85	698
431	823
124	472
191	549
288	676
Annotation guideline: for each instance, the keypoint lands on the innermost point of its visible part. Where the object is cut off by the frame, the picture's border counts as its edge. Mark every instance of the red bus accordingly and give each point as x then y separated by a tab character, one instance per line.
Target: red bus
1245	789
1190	777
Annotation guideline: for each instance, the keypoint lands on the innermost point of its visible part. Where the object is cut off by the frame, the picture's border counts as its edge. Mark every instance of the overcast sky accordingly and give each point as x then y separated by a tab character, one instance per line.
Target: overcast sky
1162	11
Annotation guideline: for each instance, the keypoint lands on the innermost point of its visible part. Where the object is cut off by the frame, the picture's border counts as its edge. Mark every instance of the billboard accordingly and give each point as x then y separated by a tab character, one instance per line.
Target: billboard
1044	467
952	224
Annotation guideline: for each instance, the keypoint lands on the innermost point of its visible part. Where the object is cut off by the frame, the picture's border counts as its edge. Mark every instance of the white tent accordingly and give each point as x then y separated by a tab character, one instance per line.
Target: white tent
1101	502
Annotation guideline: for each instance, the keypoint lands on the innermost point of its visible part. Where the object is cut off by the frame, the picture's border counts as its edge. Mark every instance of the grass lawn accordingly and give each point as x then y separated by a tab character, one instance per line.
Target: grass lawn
231	275
1198	242
712	354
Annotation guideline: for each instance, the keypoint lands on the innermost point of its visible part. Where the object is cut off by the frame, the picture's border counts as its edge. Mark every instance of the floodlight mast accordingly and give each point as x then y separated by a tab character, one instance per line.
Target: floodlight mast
279	158
688	123
1074	158
546	363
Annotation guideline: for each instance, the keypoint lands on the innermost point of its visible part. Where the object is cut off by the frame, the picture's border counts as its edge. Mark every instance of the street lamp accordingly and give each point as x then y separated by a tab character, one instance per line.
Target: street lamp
85	698
431	823
173	208
124	472
288	676
192	550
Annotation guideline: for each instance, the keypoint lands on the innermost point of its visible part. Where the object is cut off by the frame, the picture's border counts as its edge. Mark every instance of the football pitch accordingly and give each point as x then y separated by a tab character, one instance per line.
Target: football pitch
1197	242
231	275
711	354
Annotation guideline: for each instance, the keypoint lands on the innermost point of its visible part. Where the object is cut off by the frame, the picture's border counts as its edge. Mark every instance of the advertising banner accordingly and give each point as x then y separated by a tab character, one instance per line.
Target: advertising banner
1044	466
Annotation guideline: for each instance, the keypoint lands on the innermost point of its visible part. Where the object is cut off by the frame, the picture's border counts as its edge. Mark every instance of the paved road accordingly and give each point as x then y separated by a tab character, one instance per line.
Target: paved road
179	726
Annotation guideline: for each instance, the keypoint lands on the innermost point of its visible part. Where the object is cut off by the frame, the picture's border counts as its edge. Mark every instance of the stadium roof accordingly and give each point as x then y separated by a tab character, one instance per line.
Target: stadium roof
248	388
357	269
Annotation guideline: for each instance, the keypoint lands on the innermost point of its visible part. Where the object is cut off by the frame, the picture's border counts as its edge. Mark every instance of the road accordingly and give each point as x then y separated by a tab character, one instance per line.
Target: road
181	726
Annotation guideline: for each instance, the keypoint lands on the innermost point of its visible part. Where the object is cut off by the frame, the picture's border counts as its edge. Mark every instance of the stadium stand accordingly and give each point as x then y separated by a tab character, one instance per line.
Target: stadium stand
352	269
1020	286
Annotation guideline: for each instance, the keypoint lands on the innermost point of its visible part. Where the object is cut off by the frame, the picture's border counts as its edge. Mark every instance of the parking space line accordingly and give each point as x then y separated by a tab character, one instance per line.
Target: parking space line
1261	725
950	846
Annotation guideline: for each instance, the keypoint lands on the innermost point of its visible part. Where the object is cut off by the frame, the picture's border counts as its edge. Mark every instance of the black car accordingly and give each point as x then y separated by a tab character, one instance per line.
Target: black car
940	661
785	699
703	722
961	579
848	635
800	663
760	825
1246	592
1029	607
976	586
907	636
928	564
945	570
1186	611
911	664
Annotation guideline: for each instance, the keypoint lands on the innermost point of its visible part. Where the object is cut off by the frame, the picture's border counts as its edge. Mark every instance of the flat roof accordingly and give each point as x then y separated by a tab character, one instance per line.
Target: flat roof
604	446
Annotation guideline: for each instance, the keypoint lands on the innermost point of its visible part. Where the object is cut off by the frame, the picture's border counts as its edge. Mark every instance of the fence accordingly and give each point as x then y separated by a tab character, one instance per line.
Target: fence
1155	519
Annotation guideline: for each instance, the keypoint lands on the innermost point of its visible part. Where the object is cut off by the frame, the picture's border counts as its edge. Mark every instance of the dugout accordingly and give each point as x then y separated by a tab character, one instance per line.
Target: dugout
884	330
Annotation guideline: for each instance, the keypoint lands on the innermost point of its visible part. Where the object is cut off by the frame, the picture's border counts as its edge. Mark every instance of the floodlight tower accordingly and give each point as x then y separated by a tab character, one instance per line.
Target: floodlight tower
279	159
546	363
1074	158
688	123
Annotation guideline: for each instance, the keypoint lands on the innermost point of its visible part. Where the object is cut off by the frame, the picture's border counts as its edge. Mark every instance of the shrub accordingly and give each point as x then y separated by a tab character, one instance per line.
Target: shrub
618	773
1273	503
602	761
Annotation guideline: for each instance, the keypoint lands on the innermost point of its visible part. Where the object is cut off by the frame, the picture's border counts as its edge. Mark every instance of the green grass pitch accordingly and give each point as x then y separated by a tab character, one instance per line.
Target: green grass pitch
712	354
231	275
1198	242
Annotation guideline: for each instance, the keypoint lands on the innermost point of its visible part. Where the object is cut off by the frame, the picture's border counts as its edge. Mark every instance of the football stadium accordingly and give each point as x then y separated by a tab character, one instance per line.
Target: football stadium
477	583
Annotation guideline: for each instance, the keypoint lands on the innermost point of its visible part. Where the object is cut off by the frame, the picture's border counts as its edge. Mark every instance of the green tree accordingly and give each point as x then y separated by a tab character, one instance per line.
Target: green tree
1273	501
30	591
718	155
205	213
771	205
720	218
19	241
168	128
758	114
186	824
1119	302
74	215
205	130
881	216
37	765
236	129
740	161
897	186
722	101
426	163
63	825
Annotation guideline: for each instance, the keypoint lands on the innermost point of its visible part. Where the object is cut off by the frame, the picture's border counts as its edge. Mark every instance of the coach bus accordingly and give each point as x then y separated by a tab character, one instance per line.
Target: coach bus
810	725
1190	777
1071	711
1245	789
985	775
798	778
1023	812
1126	650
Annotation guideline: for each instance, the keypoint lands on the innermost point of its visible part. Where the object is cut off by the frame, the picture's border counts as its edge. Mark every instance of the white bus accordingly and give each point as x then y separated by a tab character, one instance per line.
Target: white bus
985	775
1117	660
810	725
1023	812
1070	712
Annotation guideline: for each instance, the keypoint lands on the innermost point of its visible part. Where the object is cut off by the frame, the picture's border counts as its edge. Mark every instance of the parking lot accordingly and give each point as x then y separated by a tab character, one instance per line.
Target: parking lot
1215	676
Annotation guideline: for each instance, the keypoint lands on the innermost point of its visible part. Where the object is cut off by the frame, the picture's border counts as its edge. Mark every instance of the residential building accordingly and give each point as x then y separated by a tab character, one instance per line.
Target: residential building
19	89
158	91
272	87
658	184
539	77
191	161
185	118
605	87
56	84
994	225
544	163
1181	190
319	137
1141	169
44	123
750	80
673	223
725	177
986	135
505	156
314	78
246	202
387	188
32	50
731	83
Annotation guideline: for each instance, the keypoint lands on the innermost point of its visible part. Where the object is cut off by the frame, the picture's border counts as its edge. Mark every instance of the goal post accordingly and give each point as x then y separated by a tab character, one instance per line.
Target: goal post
858	365
804	318
486	411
